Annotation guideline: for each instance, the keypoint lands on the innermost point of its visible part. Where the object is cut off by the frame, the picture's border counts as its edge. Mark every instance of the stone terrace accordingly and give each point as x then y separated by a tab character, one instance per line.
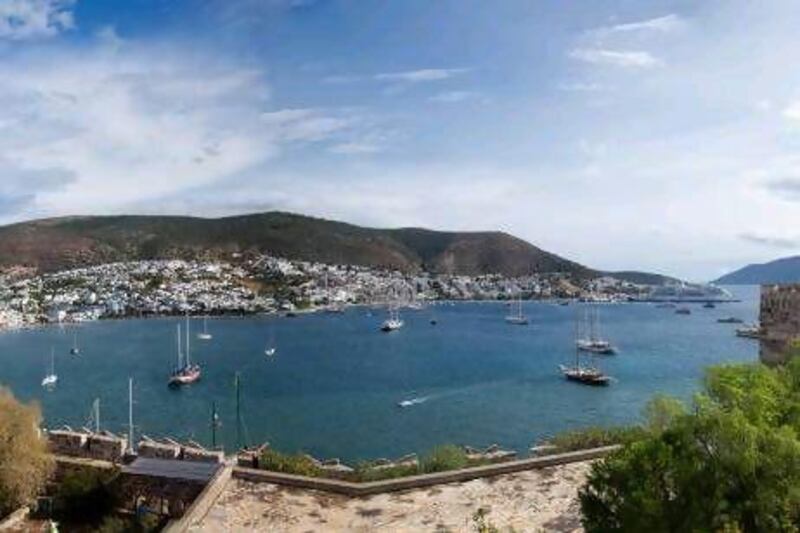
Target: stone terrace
534	500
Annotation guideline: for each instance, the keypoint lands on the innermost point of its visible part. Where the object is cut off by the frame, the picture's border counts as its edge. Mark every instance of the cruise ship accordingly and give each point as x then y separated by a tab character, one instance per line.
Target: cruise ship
689	292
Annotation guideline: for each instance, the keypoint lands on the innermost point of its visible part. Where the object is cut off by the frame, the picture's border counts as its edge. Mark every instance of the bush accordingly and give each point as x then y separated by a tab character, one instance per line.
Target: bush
298	464
732	464
595	437
85	496
25	464
366	472
444	458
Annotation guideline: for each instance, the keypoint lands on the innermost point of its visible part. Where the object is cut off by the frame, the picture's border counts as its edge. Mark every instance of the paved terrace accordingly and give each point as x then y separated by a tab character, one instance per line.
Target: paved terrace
544	499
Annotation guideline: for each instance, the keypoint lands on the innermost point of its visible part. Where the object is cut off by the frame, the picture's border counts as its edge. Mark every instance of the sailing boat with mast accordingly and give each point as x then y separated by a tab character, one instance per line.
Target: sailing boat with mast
186	372
518	318
590	340
75	350
271	348
583	373
51	378
205	335
393	323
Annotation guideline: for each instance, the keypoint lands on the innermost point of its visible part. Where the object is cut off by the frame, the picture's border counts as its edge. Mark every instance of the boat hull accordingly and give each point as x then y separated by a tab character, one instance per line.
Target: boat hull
185	376
586	376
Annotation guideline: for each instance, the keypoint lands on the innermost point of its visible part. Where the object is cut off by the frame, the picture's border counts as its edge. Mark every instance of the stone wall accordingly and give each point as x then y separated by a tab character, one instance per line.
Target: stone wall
102	446
170	449
780	320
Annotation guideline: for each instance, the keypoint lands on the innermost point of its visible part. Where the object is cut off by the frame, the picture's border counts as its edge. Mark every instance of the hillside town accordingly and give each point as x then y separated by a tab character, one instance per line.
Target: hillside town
262	284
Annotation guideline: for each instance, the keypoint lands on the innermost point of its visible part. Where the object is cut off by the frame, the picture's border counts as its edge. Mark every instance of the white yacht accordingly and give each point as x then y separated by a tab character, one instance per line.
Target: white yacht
517	318
205	335
393	323
51	378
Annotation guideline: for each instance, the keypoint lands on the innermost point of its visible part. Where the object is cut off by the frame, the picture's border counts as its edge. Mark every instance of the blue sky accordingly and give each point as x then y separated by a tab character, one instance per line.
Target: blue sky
656	135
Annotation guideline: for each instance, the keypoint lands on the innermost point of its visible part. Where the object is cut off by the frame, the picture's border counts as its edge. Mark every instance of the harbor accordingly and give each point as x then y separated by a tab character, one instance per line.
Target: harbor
334	387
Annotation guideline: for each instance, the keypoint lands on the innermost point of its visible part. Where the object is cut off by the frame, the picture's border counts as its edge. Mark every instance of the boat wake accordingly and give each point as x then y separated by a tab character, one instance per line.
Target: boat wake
412	402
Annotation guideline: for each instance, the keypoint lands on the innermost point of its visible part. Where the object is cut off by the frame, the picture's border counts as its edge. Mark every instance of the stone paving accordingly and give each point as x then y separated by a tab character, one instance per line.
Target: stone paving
535	500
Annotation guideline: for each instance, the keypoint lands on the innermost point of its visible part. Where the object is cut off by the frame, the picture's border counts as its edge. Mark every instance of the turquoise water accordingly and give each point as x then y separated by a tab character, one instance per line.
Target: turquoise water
332	390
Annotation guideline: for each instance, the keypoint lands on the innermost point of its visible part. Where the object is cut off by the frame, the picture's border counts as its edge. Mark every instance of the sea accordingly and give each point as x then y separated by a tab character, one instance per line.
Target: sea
333	387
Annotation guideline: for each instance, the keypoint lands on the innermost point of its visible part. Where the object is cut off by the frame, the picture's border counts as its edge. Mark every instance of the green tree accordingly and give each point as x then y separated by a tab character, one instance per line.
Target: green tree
25	464
732	464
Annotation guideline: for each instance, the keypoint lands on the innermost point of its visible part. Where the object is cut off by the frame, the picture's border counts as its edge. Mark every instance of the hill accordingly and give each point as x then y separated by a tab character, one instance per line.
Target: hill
786	270
59	243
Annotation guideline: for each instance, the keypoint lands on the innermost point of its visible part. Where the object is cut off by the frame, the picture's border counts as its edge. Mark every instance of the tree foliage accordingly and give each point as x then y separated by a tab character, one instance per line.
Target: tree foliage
732	463
25	464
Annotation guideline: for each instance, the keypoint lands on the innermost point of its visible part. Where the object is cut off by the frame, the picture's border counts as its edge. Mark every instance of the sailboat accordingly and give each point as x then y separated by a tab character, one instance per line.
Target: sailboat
205	335
393	323
75	350
593	342
186	372
518	319
51	379
585	374
271	349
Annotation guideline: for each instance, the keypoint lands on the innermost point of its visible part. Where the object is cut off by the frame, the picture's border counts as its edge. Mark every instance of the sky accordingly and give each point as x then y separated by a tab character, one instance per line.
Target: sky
660	136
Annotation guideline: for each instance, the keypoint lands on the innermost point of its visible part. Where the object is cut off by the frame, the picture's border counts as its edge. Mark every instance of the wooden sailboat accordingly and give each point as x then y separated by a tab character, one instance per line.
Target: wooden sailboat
585	374
186	372
591	340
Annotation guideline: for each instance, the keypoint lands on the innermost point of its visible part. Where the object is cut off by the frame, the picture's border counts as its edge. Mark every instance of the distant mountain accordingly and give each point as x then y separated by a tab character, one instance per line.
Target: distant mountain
55	244
786	270
70	242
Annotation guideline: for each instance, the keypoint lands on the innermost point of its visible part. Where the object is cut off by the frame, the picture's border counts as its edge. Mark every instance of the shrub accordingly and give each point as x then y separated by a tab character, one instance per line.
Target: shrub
298	464
366	472
85	496
595	437
444	458
732	464
25	464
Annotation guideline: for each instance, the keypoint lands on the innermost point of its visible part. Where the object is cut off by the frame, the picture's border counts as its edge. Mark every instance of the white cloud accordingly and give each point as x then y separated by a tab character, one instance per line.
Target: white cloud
792	111
665	24
452	97
137	124
420	76
581	87
617	58
355	148
33	19
307	125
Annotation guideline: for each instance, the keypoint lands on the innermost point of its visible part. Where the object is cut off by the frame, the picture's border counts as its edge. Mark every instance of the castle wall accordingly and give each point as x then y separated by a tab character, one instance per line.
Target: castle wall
780	320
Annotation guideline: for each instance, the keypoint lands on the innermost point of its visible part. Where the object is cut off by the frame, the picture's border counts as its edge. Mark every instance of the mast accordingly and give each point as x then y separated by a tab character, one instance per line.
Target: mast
96	414
130	414
188	347
52	361
214	424
238	412
180	355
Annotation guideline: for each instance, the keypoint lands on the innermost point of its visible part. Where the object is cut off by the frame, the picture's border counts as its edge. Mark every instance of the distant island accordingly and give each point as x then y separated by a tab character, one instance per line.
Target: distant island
57	244
785	270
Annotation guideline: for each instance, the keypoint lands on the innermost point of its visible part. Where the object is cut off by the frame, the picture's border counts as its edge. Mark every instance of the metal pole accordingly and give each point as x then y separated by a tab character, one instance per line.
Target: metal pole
238	414
213	424
130	414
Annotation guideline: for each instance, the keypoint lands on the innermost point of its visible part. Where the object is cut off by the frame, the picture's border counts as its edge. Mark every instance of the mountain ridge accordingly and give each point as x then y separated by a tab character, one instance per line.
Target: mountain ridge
783	270
73	241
